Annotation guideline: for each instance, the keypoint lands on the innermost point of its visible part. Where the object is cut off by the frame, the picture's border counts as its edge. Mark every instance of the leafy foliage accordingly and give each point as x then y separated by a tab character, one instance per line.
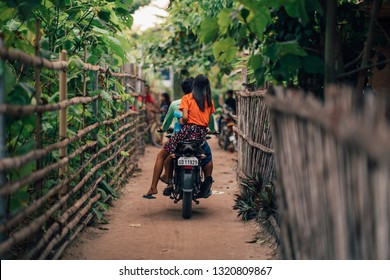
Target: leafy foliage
280	41
257	199
97	28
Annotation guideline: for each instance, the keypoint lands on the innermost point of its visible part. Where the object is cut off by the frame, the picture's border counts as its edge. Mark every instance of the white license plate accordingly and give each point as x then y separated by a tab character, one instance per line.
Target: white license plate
187	161
231	138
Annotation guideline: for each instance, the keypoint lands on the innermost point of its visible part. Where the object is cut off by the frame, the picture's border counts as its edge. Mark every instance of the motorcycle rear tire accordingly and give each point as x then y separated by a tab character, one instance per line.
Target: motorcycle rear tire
221	136
227	142
187	205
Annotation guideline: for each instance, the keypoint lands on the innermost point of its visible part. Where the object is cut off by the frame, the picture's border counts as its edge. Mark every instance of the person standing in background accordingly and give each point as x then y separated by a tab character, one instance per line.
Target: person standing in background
230	101
164	105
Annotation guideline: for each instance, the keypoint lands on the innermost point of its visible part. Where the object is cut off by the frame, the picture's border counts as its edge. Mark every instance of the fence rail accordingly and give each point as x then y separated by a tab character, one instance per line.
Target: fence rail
332	161
74	176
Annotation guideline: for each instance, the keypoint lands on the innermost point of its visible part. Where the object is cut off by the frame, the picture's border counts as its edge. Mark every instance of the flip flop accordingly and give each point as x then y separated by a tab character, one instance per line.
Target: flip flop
165	182
149	196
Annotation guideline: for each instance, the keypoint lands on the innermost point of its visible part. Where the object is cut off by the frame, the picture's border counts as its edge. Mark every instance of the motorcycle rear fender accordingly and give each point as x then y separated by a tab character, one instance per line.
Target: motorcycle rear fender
188	180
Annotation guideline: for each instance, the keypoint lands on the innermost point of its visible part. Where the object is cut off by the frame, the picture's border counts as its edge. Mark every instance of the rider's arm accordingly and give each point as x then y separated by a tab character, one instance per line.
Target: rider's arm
185	115
168	118
184	105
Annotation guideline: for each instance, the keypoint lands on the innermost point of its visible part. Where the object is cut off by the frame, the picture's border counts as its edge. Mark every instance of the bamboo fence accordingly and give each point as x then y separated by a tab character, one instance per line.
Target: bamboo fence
255	153
46	225
333	163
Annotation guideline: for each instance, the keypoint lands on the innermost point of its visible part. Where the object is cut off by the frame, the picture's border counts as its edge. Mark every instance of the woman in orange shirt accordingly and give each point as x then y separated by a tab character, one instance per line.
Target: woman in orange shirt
197	108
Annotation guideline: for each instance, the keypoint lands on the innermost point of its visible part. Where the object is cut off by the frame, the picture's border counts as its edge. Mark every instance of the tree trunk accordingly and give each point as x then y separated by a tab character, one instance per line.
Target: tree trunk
330	38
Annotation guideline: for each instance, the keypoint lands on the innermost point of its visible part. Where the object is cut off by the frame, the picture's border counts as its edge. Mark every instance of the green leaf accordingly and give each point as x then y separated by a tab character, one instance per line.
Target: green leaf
256	61
258	20
6	13
208	30
75	62
106	96
297	9
27	147
102	193
18	200
272	51
104	15
313	64
225	50
224	20
109	189
314	6
100	31
258	25
10	78
102	205
113	39
291	47
99	214
289	63
124	154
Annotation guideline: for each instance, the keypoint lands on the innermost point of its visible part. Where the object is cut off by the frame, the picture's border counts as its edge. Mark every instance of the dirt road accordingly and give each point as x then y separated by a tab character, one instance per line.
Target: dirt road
140	228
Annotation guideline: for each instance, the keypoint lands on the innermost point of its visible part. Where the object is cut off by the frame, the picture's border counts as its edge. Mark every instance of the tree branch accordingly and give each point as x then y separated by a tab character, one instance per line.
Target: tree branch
368	45
363	68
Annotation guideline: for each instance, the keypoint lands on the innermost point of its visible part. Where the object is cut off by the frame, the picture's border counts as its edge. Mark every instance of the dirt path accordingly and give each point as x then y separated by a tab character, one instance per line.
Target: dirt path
139	228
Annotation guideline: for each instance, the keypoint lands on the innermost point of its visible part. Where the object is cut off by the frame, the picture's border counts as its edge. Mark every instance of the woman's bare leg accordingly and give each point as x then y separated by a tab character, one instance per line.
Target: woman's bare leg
166	176
158	167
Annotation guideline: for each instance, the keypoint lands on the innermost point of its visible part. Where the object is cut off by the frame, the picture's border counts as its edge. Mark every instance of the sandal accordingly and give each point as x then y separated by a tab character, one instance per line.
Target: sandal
205	188
162	180
168	191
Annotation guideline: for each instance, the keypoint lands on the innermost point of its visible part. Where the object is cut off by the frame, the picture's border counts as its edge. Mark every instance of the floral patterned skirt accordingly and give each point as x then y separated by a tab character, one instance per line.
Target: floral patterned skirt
188	132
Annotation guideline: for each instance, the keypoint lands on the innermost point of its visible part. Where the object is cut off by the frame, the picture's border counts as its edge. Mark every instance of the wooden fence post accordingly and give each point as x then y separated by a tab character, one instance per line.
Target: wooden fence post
95	105
3	199
127	104
133	83
113	112
82	174
62	119
38	92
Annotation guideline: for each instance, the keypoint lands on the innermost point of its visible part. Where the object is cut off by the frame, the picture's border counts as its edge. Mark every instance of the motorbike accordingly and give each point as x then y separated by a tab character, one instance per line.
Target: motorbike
187	175
228	135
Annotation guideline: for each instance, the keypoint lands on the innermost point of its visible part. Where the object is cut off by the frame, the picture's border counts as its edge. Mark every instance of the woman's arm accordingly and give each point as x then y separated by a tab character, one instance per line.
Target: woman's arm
185	116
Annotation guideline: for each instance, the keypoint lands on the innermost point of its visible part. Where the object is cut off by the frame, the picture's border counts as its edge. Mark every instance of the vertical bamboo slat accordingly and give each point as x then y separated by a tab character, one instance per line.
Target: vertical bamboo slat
63	86
95	113
38	92
83	112
3	199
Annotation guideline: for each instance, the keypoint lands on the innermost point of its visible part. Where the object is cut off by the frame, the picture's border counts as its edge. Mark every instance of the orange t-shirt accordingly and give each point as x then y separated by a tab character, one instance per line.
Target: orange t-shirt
195	115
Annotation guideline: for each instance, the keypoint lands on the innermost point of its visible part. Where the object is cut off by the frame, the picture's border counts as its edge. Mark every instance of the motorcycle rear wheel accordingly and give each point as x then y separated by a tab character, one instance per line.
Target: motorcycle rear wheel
222	137
187	205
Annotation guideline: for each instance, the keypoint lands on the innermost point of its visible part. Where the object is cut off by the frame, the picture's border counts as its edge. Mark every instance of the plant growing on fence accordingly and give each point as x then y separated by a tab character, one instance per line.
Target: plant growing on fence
256	200
65	25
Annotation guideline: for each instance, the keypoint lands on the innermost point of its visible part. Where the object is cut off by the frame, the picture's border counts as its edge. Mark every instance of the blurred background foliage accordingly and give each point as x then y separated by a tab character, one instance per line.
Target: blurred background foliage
279	41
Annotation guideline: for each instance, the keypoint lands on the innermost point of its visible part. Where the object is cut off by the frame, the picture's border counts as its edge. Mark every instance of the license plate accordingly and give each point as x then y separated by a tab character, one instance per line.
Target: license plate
231	138
188	161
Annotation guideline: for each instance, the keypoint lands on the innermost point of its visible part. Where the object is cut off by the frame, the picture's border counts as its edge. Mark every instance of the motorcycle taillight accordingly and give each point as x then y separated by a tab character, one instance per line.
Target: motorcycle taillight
187	167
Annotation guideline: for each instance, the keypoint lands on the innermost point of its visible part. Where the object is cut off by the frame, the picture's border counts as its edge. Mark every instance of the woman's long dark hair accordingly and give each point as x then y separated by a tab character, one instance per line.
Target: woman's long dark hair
202	91
167	99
